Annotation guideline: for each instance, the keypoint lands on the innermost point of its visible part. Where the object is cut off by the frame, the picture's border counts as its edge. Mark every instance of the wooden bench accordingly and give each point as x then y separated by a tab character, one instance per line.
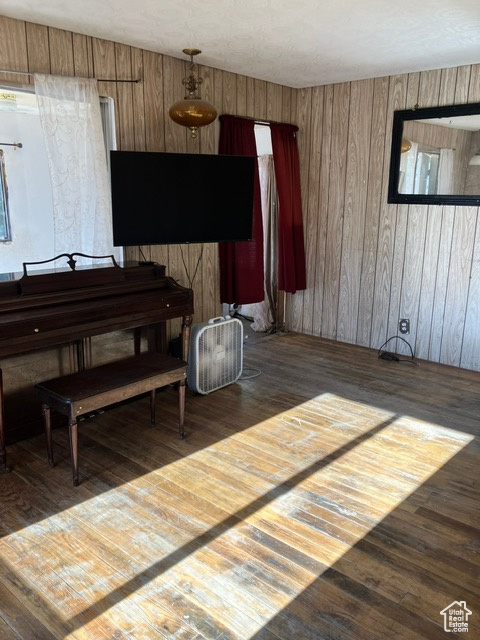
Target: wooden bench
79	393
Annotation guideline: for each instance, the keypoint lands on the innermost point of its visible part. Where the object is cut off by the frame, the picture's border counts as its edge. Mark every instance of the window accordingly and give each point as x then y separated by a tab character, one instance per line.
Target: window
30	227
426	172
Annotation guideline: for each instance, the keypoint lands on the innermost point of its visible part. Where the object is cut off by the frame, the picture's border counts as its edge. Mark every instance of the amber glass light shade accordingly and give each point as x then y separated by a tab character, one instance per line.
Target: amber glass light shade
193	113
406	145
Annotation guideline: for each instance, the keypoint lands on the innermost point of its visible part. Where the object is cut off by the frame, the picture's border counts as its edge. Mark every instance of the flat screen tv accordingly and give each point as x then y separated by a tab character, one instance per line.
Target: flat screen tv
176	198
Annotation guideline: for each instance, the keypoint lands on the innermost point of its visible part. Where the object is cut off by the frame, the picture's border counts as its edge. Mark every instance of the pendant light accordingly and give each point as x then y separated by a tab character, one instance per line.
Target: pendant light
192	111
475	160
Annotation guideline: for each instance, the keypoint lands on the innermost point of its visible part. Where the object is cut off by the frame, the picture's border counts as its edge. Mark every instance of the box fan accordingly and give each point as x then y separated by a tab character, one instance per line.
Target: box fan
215	355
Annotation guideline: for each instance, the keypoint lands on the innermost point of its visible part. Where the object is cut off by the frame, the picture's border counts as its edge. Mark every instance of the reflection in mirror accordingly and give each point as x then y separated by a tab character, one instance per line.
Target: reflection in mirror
436	156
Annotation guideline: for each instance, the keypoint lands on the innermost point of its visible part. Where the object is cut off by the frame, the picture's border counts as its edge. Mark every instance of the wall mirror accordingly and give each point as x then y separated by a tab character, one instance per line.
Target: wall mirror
435	156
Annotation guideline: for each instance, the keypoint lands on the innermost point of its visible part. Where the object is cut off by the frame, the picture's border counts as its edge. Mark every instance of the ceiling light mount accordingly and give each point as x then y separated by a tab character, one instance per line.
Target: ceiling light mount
192	111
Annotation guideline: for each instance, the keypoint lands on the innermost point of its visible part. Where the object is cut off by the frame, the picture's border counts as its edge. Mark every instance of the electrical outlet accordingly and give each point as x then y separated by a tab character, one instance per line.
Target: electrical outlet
404	325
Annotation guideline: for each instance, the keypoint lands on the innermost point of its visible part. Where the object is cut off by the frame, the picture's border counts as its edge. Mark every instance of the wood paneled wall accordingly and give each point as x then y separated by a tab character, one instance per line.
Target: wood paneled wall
370	263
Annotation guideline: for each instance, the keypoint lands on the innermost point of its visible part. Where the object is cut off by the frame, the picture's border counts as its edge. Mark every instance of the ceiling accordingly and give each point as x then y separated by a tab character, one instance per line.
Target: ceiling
297	44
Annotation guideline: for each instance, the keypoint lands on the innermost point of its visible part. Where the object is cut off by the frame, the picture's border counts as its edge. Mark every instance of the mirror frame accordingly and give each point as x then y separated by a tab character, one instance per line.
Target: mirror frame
399	117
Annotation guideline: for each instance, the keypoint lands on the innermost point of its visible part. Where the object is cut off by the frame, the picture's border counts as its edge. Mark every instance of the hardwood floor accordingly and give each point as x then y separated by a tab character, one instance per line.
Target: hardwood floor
331	496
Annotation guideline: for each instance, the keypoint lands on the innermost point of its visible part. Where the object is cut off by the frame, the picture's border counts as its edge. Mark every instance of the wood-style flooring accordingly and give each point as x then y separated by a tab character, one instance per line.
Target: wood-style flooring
326	495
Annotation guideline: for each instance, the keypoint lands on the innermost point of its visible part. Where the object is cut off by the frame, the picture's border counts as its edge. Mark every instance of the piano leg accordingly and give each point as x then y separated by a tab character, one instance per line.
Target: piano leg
181	404
48	432
186	324
73	428
4	468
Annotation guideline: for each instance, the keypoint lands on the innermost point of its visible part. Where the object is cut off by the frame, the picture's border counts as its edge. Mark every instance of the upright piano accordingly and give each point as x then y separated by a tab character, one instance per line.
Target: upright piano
50	308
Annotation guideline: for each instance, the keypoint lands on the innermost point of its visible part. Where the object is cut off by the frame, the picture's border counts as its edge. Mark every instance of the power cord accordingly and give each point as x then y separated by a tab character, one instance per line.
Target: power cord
387	355
191	280
255	374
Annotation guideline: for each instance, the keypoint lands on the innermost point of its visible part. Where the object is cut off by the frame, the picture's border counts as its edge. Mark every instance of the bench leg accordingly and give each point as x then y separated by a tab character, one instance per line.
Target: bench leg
152	406
48	433
4	468
181	406
73	428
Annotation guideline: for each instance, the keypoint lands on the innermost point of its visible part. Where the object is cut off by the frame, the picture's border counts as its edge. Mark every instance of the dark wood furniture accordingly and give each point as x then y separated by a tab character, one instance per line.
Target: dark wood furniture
47	309
79	393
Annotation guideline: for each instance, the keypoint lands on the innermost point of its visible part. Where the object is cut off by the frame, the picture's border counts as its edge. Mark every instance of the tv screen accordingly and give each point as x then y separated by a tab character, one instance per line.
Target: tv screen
176	198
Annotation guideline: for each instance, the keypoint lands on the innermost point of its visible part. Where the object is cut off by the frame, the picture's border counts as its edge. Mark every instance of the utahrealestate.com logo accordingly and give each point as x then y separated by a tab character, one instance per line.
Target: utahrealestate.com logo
455	617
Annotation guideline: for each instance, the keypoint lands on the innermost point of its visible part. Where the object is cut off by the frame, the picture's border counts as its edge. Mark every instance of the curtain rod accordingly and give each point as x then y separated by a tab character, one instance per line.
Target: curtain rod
257	121
28	73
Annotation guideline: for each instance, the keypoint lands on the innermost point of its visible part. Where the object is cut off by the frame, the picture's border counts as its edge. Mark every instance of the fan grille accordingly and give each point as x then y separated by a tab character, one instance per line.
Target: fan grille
217	356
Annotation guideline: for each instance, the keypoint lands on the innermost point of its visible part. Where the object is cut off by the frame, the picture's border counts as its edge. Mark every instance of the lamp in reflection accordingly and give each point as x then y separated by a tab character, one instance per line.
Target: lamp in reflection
406	145
192	111
475	160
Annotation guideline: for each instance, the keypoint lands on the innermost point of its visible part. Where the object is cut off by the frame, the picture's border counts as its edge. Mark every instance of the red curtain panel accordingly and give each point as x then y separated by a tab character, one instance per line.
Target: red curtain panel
241	263
291	249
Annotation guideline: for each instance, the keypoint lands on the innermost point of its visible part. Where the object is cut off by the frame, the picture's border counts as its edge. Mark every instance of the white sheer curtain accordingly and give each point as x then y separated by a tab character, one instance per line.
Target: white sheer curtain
408	161
265	313
70	116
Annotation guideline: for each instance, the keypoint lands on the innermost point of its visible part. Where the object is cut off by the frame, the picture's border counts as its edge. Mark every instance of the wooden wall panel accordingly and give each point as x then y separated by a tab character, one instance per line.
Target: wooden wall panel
138	101
153	88
470	357
260	99
458	284
38	47
124	103
338	168
400	237
241	90
428	282
429	91
374	197
412	270
173	73
104	67
387	226
274	102
448	81
14	50
61	52
311	160
208	135
441	282
434	273
326	115
229	93
295	303
82	55
360	119
250	98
